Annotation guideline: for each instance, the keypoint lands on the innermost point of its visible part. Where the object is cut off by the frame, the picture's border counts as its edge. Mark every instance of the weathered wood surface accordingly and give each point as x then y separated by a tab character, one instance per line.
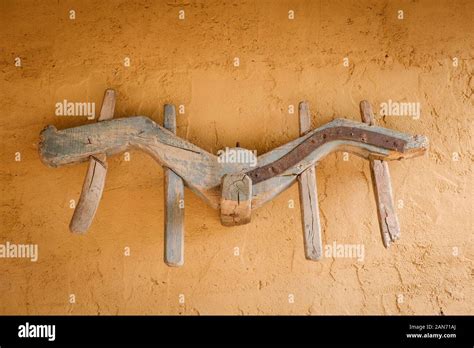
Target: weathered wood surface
94	181
90	196
174	204
310	220
387	216
236	200
200	170
269	189
108	105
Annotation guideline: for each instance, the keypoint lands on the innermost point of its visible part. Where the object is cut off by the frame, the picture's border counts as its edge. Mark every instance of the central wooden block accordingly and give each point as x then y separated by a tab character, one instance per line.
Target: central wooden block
236	199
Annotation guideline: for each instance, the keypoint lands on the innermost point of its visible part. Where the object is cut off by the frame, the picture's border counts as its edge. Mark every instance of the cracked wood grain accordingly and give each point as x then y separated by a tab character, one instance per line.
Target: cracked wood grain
309	197
174	213
236	199
388	220
94	181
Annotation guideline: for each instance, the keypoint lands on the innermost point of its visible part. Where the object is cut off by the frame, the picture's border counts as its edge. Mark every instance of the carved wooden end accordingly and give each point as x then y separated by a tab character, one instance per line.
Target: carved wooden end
236	199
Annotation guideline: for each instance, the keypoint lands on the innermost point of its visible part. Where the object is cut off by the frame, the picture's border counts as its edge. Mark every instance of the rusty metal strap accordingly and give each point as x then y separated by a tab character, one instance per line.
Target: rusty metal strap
320	138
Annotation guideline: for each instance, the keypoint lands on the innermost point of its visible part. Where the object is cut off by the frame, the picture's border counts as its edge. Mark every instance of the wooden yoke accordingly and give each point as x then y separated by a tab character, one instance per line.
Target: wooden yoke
233	187
94	181
388	221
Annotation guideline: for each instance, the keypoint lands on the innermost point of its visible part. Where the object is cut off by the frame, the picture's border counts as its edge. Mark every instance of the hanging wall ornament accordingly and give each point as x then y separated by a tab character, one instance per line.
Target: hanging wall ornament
227	183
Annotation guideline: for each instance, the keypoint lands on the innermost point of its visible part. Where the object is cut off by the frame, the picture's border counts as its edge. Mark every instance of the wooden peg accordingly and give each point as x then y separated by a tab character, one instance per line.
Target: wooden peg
95	177
388	221
309	197
174	204
236	199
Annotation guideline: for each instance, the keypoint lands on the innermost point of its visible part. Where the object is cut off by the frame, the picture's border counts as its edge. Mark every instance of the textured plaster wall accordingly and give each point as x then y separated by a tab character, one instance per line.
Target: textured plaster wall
190	62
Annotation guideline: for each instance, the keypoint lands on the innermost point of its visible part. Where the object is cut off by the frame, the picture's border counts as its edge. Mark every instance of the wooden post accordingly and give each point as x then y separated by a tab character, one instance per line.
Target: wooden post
309	197
236	199
388	221
95	177
174	204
